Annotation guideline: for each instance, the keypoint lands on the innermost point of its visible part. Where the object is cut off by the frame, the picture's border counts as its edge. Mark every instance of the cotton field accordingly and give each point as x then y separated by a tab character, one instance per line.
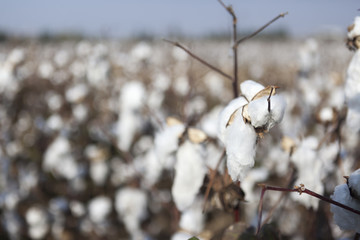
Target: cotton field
117	139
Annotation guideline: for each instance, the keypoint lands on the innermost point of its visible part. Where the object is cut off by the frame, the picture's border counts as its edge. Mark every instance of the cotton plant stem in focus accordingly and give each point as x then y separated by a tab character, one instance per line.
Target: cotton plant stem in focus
300	190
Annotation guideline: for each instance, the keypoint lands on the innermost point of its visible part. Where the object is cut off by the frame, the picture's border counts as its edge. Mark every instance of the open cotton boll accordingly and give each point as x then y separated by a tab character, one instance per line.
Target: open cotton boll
254	176
127	126
153	168
226	113
58	159
250	88
76	93
260	115
130	204
354	184
345	219
99	208
240	143
356	30
166	143
209	122
132	96
190	171
192	219
37	221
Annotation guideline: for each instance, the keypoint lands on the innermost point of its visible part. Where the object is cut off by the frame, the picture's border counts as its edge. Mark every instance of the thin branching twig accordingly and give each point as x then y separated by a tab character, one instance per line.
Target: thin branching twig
260	29
300	190
176	44
230	10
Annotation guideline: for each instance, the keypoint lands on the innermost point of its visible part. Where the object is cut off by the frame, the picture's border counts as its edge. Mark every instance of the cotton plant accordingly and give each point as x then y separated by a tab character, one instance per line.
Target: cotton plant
257	111
349	195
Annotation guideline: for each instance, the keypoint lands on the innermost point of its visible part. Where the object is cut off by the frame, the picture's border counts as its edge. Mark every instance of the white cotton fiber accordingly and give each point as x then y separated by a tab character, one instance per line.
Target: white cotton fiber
345	219
99	208
240	142
250	88
130	204
190	171
259	114
166	143
192	219
226	113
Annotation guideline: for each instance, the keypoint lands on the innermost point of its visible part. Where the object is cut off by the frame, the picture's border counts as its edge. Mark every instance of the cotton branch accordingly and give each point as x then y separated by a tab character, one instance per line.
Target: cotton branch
300	190
230	10
176	44
260	29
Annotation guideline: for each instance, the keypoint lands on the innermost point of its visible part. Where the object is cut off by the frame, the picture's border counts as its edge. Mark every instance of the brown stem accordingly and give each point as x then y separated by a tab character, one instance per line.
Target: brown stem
260	29
176	44
234	48
300	190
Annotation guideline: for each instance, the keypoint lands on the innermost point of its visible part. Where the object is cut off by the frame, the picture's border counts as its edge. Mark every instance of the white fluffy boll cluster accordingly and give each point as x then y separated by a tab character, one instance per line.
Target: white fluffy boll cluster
258	108
349	195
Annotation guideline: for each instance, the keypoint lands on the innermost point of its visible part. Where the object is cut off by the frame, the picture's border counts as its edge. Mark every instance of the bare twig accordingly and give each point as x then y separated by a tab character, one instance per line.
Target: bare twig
300	190
234	48
176	44
260	29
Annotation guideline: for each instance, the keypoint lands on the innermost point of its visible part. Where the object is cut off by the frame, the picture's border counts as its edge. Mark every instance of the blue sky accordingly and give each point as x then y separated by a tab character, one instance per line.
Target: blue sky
121	18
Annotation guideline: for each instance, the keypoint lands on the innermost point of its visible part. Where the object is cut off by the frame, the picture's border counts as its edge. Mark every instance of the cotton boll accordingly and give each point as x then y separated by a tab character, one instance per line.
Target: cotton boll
261	117
240	143
192	219
132	96
141	51
354	184
54	101
127	126
45	70
166	143
76	93
356	30
54	122
226	113
99	208
77	208
250	88
37	221
130	204
61	58
80	112
181	85
326	114
189	176
153	168
58	159
345	219
181	236
99	172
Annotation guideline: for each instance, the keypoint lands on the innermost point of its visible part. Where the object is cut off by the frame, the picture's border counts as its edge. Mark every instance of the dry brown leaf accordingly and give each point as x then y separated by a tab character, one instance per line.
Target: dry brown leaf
232	117
245	114
288	144
265	92
196	135
351	27
171	121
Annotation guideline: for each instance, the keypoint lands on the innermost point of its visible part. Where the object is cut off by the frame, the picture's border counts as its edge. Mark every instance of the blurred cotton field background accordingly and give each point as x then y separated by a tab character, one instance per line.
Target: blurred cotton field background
118	139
